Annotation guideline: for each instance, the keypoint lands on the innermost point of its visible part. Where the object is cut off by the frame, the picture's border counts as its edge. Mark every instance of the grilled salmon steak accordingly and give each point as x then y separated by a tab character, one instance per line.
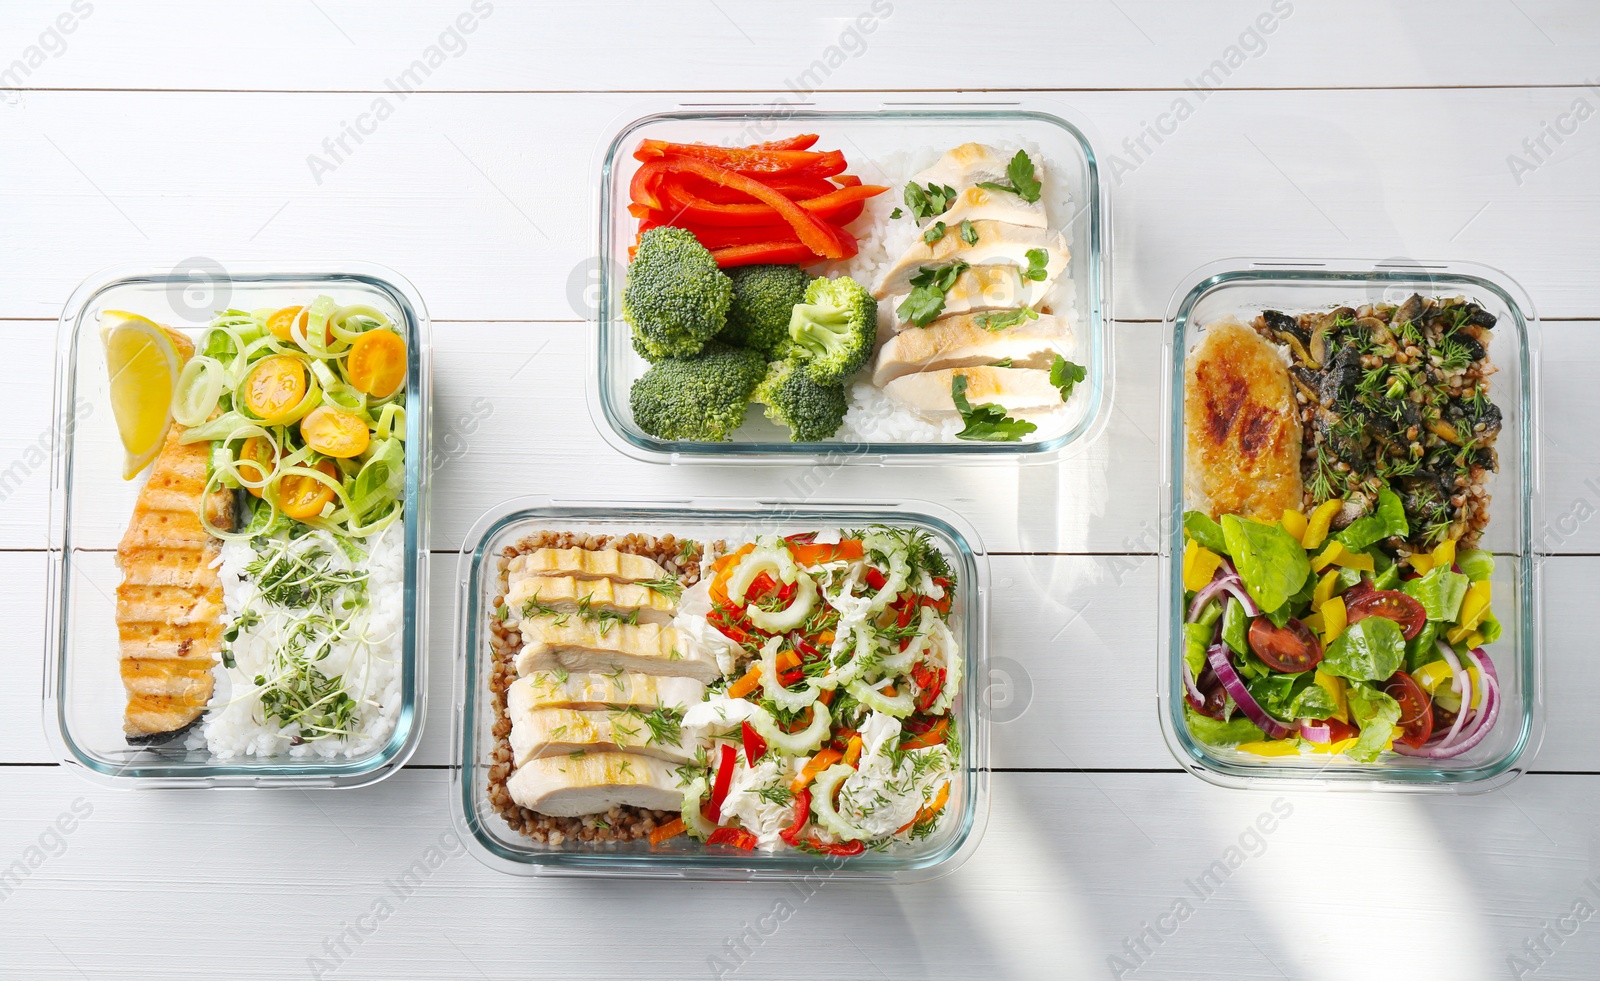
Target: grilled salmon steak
169	605
1242	426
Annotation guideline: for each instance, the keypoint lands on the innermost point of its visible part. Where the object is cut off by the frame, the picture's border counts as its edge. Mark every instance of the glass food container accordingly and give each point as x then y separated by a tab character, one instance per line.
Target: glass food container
885	142
496	844
91	506
1245	287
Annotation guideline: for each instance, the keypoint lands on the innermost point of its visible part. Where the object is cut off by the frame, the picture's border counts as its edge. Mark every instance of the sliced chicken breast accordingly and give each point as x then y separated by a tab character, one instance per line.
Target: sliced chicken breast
591	783
970	164
584	645
1241	426
981	289
564	597
561	732
587	690
962	342
582	563
999	243
1014	389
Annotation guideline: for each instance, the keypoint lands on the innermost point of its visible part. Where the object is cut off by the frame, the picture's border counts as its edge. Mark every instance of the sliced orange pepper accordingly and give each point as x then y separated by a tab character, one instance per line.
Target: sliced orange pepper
849	550
933	737
928	810
668	831
824	759
852	750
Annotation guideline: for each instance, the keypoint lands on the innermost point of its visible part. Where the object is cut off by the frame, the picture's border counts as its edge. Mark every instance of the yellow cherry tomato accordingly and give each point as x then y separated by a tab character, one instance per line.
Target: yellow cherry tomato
274	386
302	497
281	320
335	432
255	463
377	363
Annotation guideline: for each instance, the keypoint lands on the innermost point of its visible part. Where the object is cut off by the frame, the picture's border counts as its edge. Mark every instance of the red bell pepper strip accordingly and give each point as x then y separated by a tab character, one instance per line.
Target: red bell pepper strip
690	207
642	188
804	141
875	579
775	253
931	684
811	843
794	188
802	814
754	746
754	162
847	180
727	759
737	837
811	230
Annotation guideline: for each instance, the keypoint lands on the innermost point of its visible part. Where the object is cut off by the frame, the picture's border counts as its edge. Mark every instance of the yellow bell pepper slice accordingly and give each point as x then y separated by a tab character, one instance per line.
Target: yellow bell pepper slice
1360	561
1319	522
1445	555
1333	620
1422	562
1199	566
1295	524
1325	587
1473	609
1313	622
1335	687
1270	747
1328	555
1333	748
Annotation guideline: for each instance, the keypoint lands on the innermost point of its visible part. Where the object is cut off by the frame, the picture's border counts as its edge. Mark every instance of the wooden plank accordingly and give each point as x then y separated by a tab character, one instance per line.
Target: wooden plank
1073	656
1072	868
485	202
827	45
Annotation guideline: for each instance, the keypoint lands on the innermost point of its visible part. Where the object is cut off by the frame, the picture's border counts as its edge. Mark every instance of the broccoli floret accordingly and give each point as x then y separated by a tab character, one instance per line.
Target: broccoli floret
676	298
834	329
698	398
763	296
811	411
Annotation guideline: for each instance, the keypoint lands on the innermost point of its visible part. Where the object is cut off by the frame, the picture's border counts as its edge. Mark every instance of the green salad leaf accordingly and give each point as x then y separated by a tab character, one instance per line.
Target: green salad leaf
1388	520
1235	627
1440	592
1272	564
1202	529
1196	640
1423	648
1490	627
1368	650
1375	713
1476	564
1214	733
1312	701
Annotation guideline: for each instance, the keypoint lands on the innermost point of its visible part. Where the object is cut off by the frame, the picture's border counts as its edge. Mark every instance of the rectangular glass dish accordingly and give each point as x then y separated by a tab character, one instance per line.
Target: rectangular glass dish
879	138
91	505
1243	288
498	845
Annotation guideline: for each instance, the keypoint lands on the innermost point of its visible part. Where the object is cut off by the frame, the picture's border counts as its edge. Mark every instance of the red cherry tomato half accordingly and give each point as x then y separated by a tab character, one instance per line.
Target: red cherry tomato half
1216	702
1291	648
1416	709
1340	730
1391	604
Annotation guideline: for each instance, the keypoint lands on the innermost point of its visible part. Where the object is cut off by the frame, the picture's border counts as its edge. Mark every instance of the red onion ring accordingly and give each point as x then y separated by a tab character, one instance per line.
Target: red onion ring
1191	686
1316	732
1483	720
1234	685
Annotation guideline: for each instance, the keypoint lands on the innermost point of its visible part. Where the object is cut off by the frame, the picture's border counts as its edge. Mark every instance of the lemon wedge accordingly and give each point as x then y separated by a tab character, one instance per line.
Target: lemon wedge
143	359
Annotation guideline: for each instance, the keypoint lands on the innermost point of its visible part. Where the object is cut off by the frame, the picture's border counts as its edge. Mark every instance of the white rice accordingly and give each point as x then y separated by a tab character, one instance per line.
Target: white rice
368	662
875	417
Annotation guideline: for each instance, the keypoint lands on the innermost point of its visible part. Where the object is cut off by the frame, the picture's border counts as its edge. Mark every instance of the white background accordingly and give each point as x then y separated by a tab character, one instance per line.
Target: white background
165	129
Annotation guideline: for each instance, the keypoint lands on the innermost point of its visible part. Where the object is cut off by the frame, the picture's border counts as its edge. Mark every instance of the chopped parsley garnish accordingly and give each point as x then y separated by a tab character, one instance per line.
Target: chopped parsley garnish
934	233
896	213
929	286
1064	375
998	320
969	234
1038	265
987	422
1024	181
930	201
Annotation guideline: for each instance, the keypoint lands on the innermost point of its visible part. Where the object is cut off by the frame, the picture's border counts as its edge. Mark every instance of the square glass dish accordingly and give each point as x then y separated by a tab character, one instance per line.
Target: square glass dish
91	505
884	142
1243	288
494	842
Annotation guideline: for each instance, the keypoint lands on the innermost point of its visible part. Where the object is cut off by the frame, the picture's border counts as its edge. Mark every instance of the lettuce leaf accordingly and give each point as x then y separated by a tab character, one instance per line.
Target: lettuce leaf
1388	520
1440	592
1368	650
1272	564
1205	531
1231	733
1375	713
1196	639
1235	627
1475	564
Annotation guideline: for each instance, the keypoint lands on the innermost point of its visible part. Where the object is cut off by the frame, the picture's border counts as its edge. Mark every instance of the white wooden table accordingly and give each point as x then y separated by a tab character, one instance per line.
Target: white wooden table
173	128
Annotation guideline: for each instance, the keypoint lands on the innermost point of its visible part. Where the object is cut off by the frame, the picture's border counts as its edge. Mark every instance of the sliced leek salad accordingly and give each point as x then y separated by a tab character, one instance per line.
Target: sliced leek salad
305	409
